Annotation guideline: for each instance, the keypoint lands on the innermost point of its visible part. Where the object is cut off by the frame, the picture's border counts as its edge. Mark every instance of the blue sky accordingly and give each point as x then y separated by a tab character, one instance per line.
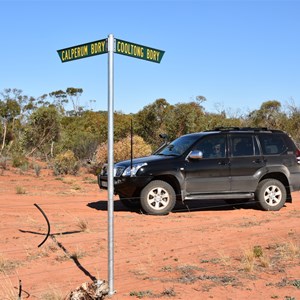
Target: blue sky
237	54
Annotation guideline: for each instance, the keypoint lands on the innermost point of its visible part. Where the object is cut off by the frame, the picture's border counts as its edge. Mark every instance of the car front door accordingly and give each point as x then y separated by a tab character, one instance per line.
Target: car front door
209	174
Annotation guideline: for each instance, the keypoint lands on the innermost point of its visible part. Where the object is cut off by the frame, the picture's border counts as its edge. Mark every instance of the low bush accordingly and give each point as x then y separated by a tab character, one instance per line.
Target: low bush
66	163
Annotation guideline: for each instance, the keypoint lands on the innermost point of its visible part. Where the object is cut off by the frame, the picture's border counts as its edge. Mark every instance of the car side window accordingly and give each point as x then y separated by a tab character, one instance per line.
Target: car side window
212	146
272	144
243	145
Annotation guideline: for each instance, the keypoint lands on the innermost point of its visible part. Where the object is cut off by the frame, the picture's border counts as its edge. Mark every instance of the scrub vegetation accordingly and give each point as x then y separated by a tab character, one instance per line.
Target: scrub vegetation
44	129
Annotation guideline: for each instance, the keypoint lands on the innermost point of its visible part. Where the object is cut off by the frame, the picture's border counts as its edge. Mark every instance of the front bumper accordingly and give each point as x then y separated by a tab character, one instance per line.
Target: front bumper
125	186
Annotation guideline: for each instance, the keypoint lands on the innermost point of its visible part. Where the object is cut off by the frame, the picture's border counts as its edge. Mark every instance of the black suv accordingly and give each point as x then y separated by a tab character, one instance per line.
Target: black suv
225	163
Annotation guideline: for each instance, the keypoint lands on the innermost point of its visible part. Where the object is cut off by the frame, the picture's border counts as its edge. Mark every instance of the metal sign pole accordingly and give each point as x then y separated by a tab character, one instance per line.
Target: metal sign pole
110	207
124	48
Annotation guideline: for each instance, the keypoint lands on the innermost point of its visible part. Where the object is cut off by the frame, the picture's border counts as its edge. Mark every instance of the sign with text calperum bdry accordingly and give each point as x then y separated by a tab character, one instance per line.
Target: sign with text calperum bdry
83	50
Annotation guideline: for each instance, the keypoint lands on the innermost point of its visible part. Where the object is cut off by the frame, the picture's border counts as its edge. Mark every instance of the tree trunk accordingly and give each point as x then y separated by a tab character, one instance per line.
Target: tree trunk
51	151
4	135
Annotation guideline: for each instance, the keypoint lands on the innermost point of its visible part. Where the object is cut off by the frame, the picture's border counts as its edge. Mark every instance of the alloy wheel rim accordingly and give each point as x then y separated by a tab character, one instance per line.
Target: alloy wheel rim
158	198
272	195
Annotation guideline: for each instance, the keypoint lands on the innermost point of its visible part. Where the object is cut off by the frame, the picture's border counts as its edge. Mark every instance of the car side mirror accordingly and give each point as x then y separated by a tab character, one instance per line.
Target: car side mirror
195	154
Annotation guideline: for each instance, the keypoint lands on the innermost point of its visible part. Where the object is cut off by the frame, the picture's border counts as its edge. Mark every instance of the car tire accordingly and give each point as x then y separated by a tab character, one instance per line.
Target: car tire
130	202
270	194
158	198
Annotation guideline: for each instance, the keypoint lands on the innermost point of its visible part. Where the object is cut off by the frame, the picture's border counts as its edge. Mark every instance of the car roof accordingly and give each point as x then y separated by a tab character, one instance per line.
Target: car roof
234	130
245	129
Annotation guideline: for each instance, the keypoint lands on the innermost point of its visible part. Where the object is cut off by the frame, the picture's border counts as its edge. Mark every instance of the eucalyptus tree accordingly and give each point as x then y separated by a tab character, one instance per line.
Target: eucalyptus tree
59	99
74	95
151	121
42	130
184	118
292	122
15	108
268	115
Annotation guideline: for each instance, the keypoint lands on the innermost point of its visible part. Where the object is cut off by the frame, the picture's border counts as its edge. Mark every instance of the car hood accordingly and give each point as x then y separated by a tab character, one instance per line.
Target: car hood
146	159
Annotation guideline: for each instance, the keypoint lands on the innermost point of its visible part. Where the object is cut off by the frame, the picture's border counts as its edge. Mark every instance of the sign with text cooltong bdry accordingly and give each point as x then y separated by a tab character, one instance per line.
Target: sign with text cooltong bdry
138	51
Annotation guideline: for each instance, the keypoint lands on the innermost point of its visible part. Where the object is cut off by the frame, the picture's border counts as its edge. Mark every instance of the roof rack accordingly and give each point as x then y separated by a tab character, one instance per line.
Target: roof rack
241	129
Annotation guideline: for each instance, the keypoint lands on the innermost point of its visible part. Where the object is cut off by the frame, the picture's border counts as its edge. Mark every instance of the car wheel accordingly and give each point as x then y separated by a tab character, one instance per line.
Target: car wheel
130	202
158	198
270	194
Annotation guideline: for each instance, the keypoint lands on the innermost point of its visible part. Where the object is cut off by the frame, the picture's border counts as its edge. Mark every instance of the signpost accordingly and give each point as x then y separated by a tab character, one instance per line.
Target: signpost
110	45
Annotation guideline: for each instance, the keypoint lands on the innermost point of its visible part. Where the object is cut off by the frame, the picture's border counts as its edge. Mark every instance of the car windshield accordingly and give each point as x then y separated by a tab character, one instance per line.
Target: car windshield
179	146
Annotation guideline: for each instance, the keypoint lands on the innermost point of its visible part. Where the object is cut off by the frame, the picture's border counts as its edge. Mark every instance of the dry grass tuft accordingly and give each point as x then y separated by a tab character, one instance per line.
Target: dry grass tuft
53	294
77	254
224	259
255	256
288	250
248	260
7	265
20	190
68	180
82	224
7	289
45	251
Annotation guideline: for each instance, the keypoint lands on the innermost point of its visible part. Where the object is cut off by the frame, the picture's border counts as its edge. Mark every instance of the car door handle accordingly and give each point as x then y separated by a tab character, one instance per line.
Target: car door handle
257	161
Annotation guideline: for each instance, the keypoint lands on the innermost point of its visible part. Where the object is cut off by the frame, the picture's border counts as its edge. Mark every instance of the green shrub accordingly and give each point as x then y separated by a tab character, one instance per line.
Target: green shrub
3	162
66	163
257	251
19	160
37	169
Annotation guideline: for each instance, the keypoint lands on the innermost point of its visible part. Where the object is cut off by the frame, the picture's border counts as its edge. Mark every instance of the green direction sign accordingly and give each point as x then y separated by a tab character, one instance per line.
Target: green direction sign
83	50
138	51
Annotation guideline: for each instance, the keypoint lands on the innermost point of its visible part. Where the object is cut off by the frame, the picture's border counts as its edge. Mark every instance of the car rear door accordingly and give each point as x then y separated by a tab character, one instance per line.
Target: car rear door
246	162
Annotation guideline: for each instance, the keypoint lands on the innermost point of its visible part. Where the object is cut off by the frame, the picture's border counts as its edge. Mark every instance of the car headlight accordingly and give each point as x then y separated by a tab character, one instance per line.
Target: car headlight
131	171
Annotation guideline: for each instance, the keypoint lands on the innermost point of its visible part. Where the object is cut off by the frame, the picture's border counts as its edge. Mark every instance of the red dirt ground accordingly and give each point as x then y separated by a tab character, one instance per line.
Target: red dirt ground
205	251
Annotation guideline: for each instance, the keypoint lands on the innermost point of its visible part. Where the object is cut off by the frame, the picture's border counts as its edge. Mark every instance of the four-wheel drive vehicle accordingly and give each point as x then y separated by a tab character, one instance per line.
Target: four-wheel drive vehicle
225	163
